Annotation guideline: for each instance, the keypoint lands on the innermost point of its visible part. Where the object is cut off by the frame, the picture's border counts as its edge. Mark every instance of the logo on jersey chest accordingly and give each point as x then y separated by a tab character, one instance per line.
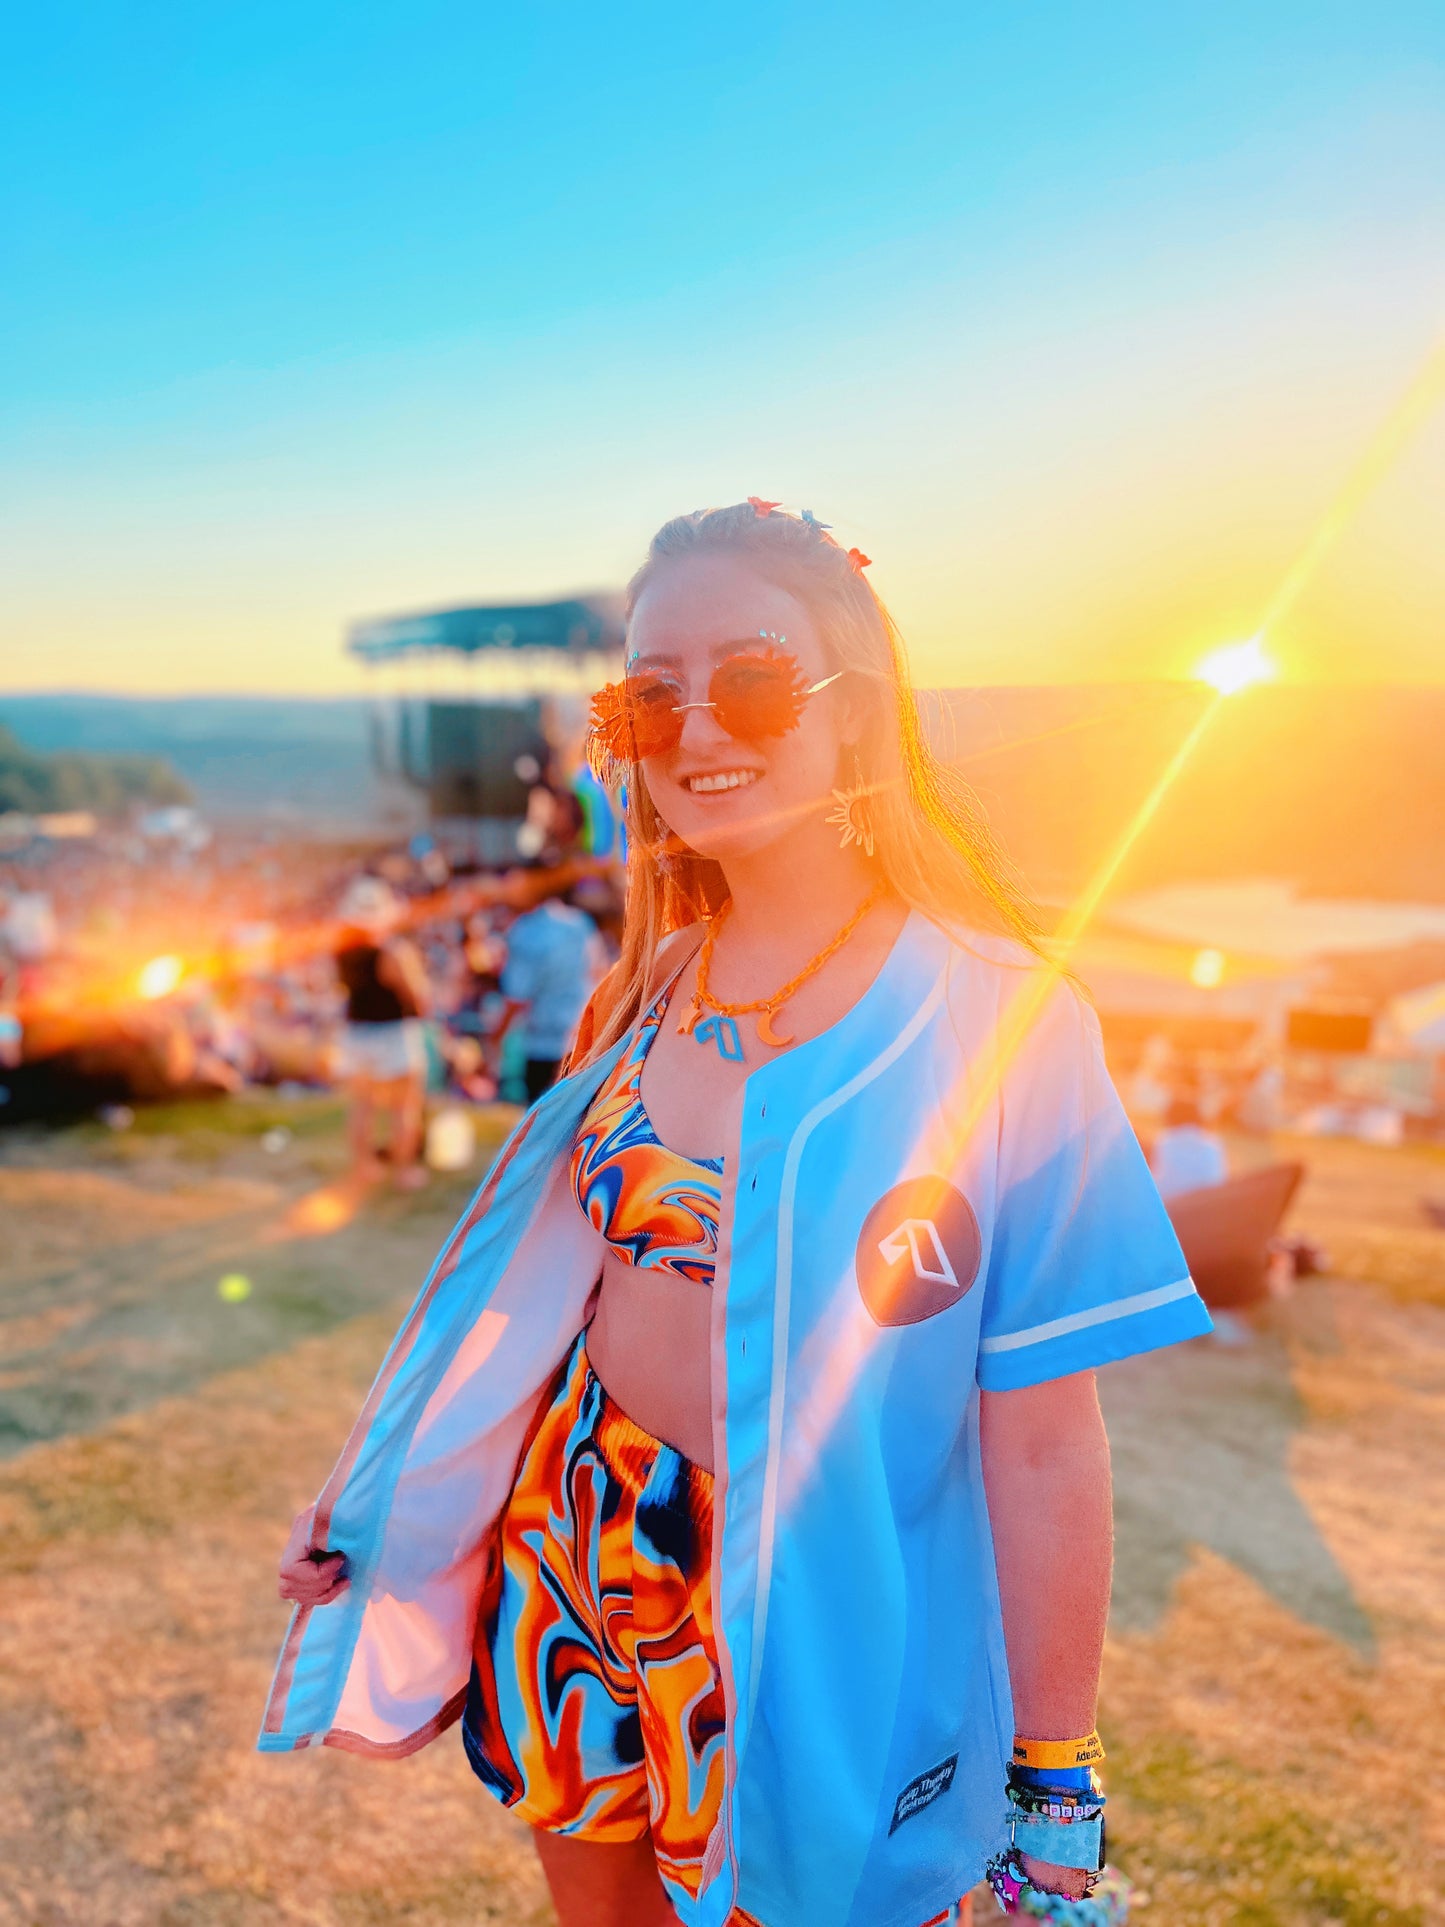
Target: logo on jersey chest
918	1251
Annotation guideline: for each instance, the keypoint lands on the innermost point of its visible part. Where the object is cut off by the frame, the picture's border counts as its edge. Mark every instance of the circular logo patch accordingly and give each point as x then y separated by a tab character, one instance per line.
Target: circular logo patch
918	1251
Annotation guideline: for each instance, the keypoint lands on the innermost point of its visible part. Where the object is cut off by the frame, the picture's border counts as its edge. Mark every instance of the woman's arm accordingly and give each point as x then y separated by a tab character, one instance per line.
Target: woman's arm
1050	1500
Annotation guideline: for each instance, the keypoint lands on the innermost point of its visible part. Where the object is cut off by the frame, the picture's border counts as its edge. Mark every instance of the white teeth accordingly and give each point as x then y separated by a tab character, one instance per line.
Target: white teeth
727	779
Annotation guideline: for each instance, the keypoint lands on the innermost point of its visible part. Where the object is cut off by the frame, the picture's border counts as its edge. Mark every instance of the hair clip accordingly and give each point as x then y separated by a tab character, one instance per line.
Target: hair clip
760	507
859	560
813	522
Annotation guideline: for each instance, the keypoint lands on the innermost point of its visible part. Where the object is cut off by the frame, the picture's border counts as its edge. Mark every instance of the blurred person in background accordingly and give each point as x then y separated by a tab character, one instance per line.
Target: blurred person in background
1261	1105
599	834
1187	1155
29	926
554	959
12	1029
554	827
383	1052
739	1477
1149	1087
475	1025
601	896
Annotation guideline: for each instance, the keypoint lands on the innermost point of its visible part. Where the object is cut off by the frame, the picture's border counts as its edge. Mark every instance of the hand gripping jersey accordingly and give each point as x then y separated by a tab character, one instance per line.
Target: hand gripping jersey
938	1194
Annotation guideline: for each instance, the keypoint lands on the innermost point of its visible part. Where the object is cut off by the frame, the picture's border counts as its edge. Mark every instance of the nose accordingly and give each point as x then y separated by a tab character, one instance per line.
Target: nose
701	729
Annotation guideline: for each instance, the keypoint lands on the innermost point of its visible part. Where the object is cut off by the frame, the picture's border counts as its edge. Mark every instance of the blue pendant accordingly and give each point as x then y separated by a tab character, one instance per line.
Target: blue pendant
724	1032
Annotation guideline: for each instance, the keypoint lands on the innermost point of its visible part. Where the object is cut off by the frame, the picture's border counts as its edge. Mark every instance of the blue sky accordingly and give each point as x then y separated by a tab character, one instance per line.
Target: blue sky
1073	315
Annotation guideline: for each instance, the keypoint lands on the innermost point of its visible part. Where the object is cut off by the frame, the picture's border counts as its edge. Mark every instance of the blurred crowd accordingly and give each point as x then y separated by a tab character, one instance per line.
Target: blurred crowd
163	959
138	967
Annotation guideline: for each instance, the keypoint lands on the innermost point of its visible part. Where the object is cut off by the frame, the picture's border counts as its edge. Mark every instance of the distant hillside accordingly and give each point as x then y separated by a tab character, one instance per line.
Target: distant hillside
244	758
1339	790
37	782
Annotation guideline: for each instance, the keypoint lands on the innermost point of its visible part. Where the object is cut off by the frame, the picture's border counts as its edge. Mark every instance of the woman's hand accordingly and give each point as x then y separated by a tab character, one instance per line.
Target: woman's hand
303	1579
1049	1879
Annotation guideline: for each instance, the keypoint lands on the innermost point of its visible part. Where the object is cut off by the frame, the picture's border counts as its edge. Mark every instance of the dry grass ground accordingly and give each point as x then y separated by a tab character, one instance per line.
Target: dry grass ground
1276	1668
1277	1653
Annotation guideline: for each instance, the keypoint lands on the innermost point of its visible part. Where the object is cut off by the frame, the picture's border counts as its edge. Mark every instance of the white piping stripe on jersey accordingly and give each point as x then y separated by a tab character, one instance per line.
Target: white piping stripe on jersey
1078	1321
782	1293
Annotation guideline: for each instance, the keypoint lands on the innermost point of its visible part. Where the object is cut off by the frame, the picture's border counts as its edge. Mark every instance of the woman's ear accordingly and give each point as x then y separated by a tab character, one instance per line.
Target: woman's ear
853	712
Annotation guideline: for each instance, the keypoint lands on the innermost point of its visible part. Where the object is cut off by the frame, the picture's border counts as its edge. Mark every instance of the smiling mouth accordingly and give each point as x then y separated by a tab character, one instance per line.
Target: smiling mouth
714	781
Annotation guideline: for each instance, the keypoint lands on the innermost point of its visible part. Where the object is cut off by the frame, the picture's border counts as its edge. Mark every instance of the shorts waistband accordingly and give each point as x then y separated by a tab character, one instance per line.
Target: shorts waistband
634	1454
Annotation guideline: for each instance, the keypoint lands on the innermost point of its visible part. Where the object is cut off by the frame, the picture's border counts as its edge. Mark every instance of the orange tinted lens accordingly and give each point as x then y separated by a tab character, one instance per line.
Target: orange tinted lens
756	695
656	721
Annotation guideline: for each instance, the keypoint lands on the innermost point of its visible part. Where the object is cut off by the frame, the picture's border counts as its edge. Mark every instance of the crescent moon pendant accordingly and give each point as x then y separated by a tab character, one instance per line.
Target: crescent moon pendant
766	1033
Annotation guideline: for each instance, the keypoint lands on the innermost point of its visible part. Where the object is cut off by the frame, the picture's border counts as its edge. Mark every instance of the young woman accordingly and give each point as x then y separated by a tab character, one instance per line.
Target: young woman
384	1045
738	1476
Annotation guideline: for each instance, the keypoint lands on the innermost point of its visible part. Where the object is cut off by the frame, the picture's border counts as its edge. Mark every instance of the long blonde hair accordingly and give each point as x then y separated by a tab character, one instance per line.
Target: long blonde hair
931	839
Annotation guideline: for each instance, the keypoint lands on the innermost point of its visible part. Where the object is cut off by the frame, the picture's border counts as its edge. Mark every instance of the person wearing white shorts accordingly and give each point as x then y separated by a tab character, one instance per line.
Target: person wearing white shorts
383	1046
383	1053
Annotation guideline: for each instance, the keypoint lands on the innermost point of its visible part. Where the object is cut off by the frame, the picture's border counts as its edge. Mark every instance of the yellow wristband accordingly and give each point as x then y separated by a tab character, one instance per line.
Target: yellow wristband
1049	1755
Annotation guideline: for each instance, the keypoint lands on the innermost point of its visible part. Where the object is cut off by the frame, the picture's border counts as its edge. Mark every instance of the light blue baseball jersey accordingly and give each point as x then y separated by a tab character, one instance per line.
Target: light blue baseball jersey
938	1195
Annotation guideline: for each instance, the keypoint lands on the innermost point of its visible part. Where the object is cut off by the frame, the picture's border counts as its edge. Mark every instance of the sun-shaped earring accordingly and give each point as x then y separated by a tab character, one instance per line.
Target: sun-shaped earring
851	814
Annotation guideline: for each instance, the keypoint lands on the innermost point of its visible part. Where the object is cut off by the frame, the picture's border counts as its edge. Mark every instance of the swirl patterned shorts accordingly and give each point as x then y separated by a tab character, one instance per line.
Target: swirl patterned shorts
595	1707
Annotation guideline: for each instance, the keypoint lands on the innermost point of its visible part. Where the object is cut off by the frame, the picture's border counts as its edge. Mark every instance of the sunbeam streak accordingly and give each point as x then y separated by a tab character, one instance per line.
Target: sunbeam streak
838	1349
843	1341
1399	428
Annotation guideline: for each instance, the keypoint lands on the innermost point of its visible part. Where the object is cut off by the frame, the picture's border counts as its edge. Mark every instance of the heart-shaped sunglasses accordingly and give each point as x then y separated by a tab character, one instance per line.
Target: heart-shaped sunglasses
754	694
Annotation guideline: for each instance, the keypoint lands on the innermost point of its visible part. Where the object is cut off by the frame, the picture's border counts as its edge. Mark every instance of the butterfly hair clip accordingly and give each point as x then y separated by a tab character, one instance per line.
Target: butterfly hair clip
859	561
760	508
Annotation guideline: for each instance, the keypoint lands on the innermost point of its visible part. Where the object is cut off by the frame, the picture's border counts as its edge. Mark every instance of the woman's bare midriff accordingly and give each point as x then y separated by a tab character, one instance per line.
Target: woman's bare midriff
650	1340
648	1344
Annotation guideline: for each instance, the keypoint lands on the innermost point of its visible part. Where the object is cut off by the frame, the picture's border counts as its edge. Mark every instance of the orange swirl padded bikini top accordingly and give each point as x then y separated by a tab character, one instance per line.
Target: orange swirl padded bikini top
656	1208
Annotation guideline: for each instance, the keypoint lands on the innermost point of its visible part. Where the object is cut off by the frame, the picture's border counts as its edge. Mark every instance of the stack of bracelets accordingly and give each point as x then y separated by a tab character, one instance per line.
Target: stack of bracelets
1056	1814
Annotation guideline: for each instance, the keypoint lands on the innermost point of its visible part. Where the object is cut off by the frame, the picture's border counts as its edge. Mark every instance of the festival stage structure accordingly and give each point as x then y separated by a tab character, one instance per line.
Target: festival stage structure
474	707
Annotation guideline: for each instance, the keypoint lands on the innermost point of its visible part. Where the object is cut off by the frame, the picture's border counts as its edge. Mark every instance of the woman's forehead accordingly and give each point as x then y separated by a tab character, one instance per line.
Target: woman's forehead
699	605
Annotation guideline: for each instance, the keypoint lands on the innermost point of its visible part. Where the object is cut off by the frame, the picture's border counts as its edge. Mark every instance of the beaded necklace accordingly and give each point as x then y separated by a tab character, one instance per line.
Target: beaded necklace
721	1028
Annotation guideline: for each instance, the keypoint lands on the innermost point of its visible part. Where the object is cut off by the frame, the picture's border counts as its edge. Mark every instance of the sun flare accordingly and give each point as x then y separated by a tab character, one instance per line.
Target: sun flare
1236	667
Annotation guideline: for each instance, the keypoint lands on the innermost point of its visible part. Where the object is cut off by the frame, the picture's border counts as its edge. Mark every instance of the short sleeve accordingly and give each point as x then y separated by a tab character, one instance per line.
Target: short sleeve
1084	1265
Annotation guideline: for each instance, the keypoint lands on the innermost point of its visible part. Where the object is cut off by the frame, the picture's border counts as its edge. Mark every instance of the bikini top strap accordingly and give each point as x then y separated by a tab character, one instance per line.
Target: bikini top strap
676	951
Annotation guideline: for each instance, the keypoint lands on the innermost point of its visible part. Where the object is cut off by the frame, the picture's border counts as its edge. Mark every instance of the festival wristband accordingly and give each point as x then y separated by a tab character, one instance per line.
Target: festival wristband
1059	1779
1049	1754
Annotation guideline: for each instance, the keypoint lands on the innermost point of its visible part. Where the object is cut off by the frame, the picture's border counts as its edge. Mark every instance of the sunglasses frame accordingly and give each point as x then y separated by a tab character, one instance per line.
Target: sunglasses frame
611	740
744	653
